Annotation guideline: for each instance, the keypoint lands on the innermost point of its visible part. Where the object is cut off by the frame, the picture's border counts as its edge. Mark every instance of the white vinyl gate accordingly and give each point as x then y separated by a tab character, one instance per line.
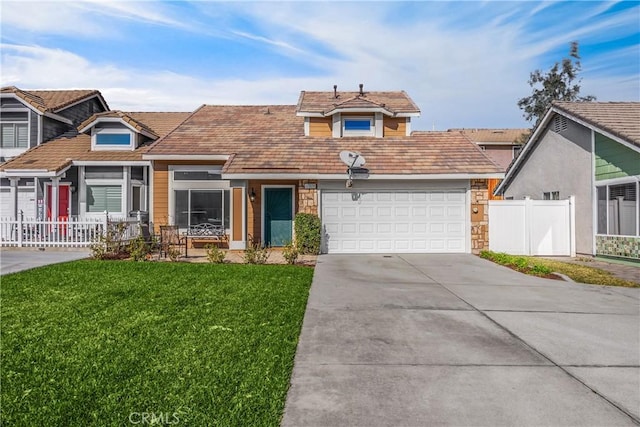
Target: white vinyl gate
532	227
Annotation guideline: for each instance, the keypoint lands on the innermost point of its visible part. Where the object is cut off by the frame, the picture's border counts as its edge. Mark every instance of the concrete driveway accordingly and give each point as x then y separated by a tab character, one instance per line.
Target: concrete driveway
417	340
13	260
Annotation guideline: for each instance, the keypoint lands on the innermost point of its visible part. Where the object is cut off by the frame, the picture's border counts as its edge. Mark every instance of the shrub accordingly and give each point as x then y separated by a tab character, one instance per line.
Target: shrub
173	253
111	243
290	253
256	254
308	233
139	249
215	255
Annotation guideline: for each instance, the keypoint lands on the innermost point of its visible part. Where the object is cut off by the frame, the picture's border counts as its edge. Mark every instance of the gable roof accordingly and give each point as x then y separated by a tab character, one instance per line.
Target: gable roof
618	120
59	153
269	140
323	103
128	118
53	101
493	136
621	119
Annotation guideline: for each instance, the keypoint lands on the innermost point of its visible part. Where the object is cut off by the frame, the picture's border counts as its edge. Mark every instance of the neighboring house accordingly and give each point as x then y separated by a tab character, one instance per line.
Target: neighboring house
95	168
499	144
30	117
252	168
590	150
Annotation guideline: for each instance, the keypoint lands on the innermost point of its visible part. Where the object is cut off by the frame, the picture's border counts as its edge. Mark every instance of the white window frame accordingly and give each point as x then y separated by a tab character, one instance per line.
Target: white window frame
202	185
370	132
14	123
105	147
615	182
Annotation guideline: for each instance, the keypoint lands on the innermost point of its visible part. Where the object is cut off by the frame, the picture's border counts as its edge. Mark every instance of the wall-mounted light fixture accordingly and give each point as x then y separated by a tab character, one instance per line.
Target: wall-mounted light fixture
252	195
72	188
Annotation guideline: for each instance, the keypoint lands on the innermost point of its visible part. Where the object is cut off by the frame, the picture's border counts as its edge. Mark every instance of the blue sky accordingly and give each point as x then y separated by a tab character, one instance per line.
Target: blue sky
464	63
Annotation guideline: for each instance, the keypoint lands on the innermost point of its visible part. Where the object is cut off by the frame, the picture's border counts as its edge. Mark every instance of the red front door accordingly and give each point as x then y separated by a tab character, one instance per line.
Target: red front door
63	202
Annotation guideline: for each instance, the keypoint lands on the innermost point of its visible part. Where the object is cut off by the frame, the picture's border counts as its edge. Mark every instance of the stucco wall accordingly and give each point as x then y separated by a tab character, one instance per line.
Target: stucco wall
561	162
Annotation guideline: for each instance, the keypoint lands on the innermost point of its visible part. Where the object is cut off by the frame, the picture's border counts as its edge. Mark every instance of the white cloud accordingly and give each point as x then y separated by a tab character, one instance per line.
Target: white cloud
88	18
466	69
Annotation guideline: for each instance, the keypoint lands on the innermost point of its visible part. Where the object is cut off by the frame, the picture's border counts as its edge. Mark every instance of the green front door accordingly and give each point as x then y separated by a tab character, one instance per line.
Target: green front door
278	216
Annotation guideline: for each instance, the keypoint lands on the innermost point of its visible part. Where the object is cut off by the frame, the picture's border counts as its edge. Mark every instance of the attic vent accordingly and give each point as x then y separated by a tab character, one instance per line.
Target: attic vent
560	124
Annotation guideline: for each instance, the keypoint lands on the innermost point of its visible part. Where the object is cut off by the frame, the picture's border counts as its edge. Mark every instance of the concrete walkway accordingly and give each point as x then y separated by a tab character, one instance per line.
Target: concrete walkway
418	340
13	260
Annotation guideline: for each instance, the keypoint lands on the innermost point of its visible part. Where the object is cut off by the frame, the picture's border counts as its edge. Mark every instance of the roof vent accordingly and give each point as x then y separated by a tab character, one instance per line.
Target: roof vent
361	91
267	111
560	124
335	91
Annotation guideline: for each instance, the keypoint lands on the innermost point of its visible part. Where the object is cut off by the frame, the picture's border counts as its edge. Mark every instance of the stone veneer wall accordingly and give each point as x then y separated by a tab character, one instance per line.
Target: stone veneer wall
618	246
308	198
480	220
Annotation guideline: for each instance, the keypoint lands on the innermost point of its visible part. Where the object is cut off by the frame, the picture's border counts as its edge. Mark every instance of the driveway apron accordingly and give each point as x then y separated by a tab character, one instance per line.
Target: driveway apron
415	340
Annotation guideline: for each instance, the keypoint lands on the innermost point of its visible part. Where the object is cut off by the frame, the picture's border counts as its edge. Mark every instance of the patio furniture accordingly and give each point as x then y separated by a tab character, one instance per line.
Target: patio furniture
170	239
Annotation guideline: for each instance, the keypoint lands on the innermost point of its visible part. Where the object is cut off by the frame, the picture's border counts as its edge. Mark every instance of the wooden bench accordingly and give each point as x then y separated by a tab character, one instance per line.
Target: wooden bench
206	232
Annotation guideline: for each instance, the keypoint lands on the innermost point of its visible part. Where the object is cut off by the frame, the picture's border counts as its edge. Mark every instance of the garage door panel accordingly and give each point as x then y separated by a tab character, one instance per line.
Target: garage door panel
436	212
365	211
384	228
384	211
455	212
395	221
402	227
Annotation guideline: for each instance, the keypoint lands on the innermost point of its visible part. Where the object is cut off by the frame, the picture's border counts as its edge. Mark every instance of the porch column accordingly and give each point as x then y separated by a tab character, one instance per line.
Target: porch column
55	199
13	182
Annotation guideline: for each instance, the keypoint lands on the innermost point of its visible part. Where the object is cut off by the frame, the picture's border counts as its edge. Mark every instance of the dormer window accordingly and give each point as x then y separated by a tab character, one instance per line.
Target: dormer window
112	138
358	126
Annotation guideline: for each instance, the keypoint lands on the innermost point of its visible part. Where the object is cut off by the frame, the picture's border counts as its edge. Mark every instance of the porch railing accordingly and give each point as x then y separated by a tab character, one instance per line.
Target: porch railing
71	232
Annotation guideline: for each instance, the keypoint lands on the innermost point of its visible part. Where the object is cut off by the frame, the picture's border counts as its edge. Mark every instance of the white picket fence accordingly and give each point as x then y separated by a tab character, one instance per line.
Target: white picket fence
533	227
71	232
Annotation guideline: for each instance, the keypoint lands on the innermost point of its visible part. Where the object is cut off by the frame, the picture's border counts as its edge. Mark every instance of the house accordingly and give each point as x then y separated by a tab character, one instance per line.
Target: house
500	145
250	169
590	150
86	171
30	117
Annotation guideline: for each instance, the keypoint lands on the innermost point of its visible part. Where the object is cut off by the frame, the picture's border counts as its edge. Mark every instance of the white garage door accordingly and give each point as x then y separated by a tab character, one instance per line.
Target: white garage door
389	221
26	202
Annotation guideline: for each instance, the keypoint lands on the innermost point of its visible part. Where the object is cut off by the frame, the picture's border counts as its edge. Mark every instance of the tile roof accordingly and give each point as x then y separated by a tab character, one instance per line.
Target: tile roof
126	117
621	119
59	153
497	136
51	100
322	102
275	143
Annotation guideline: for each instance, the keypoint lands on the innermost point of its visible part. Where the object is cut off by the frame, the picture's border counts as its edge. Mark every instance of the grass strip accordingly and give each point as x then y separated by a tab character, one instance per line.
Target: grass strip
544	267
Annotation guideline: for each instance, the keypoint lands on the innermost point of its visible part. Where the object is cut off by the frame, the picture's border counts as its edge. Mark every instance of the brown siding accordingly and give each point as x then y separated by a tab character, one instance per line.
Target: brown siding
236	233
320	126
160	194
254	217
493	183
394	126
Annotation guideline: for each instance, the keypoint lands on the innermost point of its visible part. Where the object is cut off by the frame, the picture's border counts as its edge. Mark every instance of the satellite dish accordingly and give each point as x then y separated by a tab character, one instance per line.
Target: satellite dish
352	159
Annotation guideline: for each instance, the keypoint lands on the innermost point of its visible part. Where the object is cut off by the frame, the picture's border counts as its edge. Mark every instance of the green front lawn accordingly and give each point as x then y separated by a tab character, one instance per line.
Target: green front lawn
118	343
